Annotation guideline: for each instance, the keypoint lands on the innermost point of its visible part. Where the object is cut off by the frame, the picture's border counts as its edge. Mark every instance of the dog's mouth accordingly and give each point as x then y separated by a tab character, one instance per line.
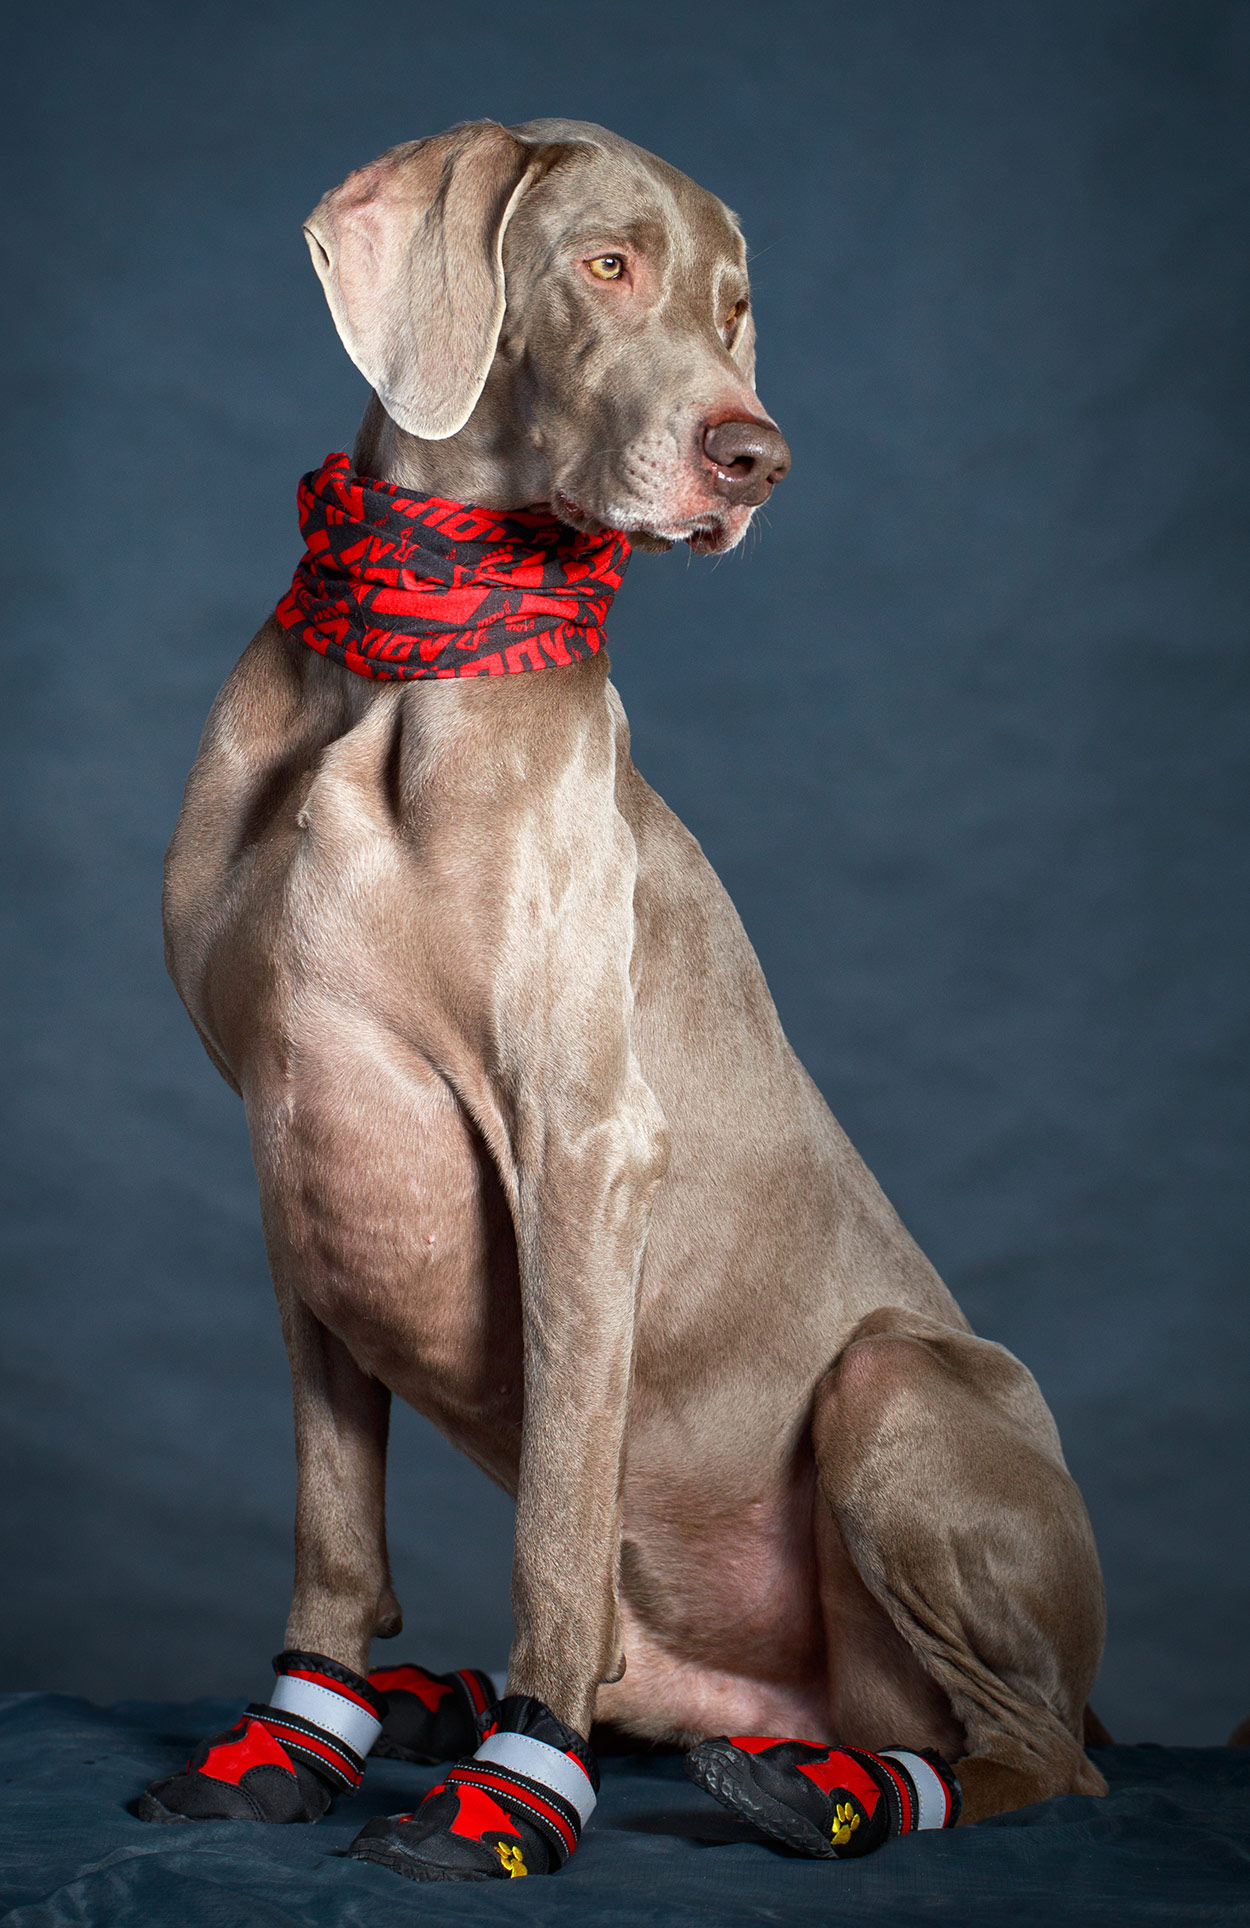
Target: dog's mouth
706	534
710	538
565	509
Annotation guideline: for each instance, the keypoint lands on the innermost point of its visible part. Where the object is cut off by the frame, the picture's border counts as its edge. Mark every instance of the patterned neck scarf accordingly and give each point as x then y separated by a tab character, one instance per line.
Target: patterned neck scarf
398	586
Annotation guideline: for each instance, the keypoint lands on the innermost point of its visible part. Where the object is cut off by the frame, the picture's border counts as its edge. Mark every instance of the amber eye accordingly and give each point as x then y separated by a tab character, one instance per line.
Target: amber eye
606	267
733	318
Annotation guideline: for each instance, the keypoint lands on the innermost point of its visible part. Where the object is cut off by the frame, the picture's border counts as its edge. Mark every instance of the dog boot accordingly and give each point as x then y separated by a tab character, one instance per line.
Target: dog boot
827	1801
431	1717
517	1807
286	1759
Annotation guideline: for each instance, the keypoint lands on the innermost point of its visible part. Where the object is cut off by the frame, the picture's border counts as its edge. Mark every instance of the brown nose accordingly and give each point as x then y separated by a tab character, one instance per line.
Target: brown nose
746	458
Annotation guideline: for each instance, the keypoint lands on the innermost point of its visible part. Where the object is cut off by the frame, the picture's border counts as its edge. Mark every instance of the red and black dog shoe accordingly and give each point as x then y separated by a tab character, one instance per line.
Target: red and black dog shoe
830	1802
517	1807
286	1759
432	1717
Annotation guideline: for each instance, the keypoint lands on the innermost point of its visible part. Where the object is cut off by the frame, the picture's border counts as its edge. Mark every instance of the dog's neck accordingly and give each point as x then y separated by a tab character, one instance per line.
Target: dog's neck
488	462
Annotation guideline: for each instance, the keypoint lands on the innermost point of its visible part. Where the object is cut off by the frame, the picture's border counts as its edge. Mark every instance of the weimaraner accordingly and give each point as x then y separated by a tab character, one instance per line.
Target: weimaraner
533	1151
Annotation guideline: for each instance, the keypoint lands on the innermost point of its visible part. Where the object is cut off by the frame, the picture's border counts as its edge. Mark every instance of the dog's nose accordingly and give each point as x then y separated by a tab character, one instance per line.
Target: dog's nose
746	459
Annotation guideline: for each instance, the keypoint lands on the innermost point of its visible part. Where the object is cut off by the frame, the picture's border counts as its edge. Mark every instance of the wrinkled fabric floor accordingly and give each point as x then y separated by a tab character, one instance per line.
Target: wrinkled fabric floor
1170	1844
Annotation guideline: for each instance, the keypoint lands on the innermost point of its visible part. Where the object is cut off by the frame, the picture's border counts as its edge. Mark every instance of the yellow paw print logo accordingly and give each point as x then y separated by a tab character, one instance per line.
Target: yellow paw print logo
511	1859
845	1822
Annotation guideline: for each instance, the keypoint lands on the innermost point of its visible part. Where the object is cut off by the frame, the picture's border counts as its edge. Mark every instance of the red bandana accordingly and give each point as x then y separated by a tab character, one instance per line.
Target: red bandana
404	586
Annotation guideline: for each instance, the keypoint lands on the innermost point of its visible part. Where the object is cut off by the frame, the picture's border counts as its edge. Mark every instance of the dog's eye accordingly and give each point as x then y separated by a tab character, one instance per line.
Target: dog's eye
606	267
733	318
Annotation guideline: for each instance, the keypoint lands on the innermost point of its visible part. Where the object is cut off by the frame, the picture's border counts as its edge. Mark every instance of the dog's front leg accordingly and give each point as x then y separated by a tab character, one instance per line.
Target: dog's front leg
584	1200
306	1740
582	1196
342	1594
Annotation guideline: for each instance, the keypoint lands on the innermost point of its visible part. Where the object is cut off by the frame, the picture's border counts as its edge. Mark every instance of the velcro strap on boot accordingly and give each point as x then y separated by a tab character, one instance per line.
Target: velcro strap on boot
324	1713
548	1766
332	1758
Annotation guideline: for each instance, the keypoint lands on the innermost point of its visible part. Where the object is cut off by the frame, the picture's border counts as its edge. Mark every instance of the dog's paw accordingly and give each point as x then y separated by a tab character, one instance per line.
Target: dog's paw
826	1801
431	1717
517	1807
459	1833
244	1774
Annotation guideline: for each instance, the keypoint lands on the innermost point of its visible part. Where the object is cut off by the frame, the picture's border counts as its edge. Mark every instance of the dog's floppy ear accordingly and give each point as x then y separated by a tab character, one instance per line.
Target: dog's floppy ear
410	254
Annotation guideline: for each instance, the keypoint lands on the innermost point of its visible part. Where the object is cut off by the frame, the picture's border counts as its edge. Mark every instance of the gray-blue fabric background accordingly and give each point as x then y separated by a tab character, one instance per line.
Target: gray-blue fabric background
964	730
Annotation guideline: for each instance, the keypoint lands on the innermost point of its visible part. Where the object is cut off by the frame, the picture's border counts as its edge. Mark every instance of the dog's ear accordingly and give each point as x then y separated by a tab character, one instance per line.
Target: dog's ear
410	254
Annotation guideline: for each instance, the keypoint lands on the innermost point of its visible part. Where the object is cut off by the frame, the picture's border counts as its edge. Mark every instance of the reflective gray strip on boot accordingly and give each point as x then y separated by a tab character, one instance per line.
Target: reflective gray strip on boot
932	1794
352	1723
544	1764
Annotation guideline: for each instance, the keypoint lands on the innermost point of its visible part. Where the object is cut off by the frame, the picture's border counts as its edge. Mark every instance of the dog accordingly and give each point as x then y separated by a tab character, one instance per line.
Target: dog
533	1152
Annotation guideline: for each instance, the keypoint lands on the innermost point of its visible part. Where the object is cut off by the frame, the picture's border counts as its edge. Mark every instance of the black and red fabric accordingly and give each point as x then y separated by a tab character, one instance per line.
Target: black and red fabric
286	1759
245	1774
831	1802
400	587
517	1807
432	1717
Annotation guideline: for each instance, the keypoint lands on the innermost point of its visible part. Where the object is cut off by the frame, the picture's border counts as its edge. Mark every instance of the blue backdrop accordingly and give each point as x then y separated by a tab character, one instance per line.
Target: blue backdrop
963	729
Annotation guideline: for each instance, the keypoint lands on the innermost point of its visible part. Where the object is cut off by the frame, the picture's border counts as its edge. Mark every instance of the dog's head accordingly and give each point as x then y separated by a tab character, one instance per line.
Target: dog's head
553	291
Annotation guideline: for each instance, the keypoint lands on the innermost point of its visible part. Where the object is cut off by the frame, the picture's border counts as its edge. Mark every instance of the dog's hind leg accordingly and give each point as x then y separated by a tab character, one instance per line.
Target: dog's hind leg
942	1471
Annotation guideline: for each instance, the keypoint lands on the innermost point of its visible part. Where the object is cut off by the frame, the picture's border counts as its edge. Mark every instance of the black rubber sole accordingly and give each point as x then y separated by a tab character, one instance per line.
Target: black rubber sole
718	1768
410	1867
148	1808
